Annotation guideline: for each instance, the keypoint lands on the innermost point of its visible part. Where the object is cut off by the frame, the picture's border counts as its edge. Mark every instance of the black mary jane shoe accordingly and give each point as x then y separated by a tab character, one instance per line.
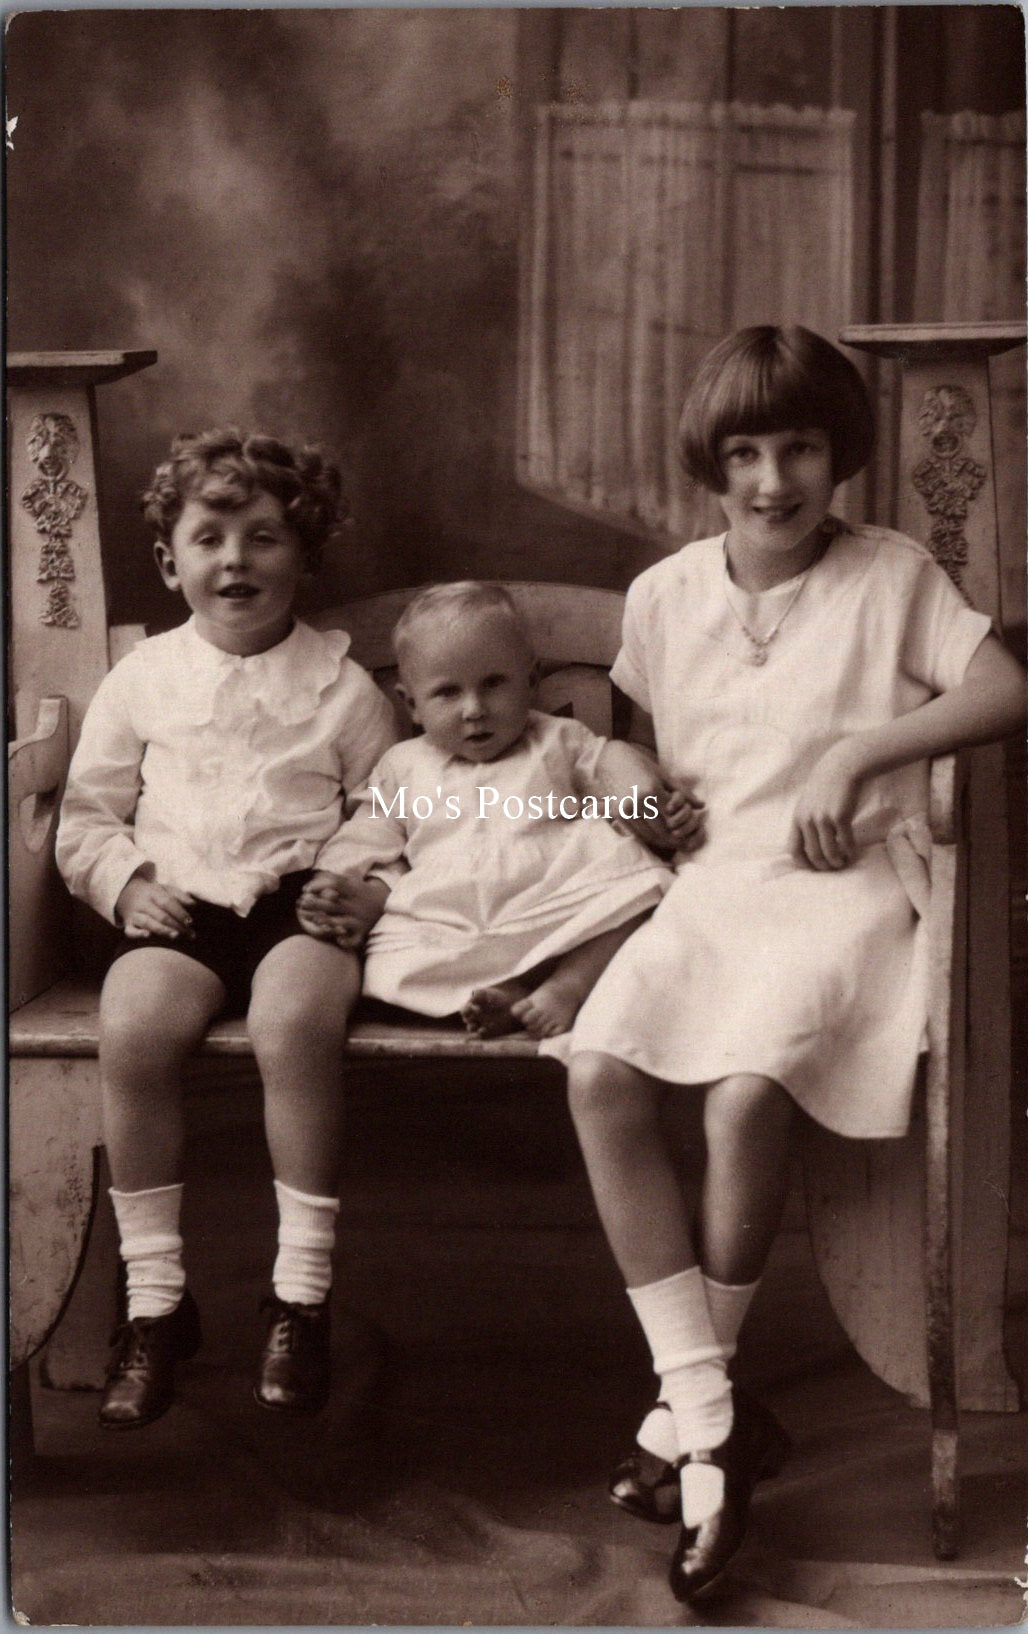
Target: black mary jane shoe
703	1551
141	1372
295	1366
647	1486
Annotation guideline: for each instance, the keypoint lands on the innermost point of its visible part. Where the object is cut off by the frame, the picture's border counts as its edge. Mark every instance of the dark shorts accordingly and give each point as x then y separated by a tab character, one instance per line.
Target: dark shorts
231	946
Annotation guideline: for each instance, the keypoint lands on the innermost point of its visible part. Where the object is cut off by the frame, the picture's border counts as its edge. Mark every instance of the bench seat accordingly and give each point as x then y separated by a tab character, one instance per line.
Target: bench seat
63	1023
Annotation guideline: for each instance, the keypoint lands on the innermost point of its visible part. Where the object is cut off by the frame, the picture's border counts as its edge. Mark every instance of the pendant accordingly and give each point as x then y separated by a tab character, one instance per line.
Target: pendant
758	655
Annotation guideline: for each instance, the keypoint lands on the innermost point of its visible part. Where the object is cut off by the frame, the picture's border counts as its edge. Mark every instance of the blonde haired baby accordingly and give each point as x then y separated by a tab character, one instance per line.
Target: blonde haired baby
495	900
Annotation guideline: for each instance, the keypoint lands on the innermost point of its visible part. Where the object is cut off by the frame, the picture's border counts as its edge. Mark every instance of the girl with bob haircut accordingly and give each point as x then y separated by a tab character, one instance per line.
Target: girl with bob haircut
800	672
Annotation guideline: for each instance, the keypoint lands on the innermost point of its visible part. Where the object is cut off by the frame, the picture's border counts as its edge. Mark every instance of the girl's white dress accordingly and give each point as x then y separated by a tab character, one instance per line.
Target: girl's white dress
754	963
485	894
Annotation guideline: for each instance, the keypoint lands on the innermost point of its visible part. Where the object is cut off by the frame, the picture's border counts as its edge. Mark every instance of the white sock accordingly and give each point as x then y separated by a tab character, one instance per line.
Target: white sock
306	1238
728	1304
687	1356
151	1246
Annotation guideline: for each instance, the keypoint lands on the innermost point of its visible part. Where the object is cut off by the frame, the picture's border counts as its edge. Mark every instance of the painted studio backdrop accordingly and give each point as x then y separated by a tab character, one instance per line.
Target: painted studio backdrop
476	253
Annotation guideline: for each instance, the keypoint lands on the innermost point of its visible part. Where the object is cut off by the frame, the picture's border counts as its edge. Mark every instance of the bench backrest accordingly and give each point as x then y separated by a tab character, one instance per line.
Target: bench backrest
575	631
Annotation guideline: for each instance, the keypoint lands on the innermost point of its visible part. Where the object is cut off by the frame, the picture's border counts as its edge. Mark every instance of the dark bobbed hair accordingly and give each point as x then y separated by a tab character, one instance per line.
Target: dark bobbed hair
765	379
226	468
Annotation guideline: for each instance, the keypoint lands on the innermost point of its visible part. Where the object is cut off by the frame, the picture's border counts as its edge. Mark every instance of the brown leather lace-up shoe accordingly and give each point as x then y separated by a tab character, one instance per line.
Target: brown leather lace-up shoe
141	1373
295	1367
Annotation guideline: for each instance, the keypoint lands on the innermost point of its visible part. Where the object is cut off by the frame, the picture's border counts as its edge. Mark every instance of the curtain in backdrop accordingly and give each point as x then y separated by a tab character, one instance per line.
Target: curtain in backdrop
656	228
971	267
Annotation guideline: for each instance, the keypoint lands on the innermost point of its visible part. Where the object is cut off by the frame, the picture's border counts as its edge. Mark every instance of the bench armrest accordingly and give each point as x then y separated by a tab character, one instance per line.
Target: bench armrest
39	905
947	783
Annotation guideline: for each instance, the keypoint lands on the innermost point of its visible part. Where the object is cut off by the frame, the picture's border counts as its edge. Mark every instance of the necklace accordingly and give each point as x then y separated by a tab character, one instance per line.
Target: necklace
759	644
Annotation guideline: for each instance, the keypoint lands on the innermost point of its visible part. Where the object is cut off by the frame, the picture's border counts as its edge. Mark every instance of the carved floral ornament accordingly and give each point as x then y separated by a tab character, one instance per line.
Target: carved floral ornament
54	500
948	479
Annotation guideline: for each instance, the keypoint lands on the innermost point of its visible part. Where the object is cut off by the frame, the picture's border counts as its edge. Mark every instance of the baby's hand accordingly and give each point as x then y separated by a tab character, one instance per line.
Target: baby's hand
341	908
822	832
147	908
685	816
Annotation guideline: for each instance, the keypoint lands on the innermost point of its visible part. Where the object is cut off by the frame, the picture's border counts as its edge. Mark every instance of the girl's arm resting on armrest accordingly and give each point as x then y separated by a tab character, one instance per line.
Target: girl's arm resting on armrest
988	704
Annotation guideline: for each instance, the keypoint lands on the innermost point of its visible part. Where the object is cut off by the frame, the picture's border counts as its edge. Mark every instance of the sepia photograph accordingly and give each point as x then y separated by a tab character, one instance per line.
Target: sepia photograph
516	864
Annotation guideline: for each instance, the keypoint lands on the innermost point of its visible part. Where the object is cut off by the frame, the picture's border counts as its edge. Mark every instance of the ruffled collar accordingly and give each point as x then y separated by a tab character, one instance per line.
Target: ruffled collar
286	682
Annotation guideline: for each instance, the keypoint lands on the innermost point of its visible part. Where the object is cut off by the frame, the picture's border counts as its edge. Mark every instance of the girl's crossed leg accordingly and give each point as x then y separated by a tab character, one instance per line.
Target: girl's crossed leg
690	1309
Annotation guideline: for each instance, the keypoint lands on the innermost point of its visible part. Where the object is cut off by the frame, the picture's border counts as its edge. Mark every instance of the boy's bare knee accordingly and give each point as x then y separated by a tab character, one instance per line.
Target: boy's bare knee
152	1008
291	1017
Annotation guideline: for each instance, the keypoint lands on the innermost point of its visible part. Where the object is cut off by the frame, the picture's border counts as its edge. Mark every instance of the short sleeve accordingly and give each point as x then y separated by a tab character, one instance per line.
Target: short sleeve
942	632
630	670
580	749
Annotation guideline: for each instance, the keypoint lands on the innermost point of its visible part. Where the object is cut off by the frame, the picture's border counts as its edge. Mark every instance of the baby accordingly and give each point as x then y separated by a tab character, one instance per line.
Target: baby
502	892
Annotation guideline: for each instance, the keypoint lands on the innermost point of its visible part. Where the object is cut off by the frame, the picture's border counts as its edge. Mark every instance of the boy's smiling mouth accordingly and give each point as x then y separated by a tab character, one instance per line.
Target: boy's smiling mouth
239	592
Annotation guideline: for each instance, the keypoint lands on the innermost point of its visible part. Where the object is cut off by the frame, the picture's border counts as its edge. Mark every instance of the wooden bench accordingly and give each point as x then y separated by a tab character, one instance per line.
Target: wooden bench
884	1216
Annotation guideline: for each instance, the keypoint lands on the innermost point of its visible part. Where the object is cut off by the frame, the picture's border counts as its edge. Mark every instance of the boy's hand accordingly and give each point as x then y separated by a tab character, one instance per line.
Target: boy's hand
822	831
147	908
341	908
685	817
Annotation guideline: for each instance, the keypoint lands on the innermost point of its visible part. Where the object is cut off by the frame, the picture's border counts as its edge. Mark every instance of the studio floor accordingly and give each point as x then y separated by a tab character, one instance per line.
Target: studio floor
488	1374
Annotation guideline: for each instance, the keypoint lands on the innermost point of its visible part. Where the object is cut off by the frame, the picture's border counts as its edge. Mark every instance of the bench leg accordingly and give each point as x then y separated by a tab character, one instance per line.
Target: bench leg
53	1134
20	1443
75	1357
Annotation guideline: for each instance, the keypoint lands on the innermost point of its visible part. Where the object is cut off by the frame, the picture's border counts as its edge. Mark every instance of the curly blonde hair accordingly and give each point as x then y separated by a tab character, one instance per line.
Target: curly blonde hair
226	468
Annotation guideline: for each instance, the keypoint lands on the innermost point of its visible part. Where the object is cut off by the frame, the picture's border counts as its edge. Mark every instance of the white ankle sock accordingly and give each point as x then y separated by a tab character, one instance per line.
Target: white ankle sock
728	1304
688	1358
151	1246
306	1238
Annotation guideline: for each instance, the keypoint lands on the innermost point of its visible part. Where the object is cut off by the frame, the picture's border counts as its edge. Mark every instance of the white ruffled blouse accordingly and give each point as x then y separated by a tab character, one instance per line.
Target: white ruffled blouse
223	773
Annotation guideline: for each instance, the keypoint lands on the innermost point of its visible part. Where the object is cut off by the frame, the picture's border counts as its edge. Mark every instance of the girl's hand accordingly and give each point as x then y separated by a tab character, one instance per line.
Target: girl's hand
822	832
341	908
147	908
685	816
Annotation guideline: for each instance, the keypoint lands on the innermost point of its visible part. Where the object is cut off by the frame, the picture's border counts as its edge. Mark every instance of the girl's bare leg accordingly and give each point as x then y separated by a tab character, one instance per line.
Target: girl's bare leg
546	1001
640	1199
303	993
748	1122
635	1181
155	1007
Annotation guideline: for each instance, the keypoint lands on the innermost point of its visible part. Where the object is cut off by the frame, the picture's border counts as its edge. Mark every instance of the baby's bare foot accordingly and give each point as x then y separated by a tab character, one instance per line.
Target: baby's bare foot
489	1012
550	1009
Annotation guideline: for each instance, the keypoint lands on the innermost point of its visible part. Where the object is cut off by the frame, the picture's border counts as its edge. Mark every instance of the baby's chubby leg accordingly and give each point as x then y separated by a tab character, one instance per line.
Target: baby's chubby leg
551	1007
546	1000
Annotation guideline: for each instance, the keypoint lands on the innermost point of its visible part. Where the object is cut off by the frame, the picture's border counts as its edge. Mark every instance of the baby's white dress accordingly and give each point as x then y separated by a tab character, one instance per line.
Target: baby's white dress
755	963
487	895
